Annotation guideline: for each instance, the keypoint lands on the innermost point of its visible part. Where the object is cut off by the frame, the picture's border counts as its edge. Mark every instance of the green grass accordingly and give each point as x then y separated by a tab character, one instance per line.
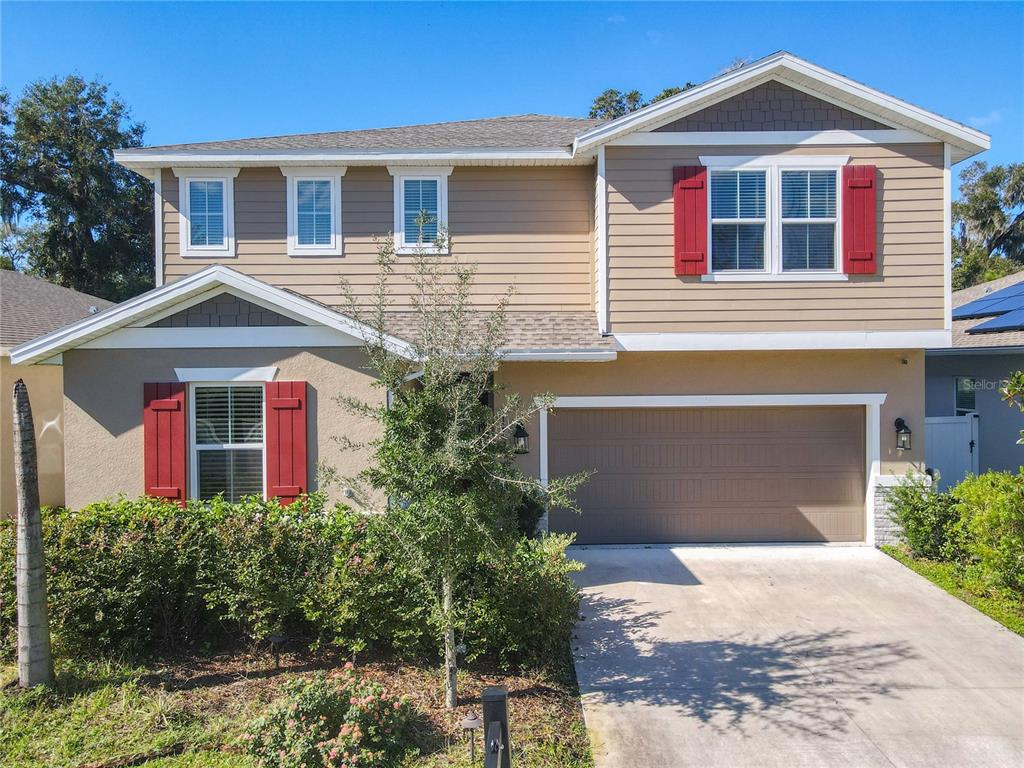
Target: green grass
98	711
1003	606
101	711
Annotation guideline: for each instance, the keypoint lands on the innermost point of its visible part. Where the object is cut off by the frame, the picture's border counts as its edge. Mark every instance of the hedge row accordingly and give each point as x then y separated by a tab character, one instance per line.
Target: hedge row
978	524
140	576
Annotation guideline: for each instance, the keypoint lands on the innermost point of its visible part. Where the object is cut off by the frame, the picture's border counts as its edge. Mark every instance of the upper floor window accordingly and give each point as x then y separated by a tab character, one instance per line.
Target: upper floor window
421	206
738	217
775	216
314	211
808	216
206	211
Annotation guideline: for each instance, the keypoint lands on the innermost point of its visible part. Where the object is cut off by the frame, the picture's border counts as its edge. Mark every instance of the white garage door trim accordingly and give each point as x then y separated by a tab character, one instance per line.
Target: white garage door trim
872	403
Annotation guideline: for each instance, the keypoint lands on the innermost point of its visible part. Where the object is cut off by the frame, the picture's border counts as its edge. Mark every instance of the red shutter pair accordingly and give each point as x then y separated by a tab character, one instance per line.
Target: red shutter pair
859	236
166	444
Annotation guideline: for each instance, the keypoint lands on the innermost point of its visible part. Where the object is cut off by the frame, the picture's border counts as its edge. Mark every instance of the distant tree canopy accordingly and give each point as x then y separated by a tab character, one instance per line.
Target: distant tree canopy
613	103
988	224
71	215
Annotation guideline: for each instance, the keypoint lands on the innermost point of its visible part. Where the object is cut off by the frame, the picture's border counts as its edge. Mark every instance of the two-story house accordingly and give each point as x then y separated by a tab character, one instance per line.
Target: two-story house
730	292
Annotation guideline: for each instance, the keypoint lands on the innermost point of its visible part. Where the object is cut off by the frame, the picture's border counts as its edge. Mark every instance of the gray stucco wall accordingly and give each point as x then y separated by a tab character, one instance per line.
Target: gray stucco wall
103	388
999	425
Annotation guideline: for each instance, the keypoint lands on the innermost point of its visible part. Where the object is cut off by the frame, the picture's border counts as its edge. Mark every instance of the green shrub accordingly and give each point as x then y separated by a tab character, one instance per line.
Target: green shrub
121	576
270	561
992	509
139	576
370	600
526	605
334	722
928	519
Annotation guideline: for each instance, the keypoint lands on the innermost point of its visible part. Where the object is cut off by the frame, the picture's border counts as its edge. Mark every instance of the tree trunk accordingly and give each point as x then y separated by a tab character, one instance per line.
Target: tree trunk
35	664
451	695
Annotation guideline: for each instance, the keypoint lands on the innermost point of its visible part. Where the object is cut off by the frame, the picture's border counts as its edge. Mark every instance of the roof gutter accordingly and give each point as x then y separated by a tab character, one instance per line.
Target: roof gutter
139	160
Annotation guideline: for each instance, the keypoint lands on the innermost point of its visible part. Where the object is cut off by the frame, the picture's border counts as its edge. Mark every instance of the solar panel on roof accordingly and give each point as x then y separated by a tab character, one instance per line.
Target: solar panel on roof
1006	300
1010	321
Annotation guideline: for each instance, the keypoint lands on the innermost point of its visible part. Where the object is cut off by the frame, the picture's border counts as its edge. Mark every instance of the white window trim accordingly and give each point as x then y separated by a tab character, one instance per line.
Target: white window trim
773	165
402	173
225	175
292	177
193	449
230	375
956	391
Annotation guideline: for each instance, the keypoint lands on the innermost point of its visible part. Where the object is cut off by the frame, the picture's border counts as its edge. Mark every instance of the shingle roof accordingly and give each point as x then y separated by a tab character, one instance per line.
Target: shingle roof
30	307
515	132
530	331
965	340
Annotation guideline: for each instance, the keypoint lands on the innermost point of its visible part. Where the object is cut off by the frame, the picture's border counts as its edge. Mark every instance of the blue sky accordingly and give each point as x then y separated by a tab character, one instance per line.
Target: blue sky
193	72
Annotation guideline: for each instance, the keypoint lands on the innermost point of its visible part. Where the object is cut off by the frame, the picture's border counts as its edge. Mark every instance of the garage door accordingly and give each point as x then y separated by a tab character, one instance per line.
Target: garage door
712	474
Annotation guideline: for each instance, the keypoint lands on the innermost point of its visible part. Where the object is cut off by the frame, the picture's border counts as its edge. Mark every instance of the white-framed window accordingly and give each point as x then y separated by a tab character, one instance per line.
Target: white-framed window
421	206
809	214
774	217
314	211
739	217
965	394
206	211
226	426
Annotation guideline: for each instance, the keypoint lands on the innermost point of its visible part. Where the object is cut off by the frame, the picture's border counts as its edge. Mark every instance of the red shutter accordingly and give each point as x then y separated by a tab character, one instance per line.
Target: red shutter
690	200
860	233
286	439
163	429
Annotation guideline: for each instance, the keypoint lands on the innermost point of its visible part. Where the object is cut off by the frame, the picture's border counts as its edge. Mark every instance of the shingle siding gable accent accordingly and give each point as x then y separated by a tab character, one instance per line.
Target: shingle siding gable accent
773	107
223	311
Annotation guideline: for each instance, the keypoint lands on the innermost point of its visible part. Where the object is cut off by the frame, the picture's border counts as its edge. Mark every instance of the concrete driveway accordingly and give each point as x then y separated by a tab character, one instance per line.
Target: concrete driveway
789	656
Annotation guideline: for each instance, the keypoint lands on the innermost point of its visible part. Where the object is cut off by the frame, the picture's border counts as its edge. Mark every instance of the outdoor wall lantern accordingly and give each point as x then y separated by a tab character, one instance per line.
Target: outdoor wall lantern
902	435
520	439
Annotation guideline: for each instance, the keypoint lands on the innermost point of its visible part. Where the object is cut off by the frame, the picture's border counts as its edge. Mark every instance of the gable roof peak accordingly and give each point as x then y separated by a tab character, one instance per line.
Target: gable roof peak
791	70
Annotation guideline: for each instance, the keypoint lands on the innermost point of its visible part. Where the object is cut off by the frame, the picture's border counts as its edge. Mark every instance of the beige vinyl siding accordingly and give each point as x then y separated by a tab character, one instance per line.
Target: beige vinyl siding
646	296
531	227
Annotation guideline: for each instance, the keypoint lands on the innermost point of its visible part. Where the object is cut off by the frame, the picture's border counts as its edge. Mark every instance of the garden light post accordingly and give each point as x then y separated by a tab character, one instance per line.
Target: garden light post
470	724
496	743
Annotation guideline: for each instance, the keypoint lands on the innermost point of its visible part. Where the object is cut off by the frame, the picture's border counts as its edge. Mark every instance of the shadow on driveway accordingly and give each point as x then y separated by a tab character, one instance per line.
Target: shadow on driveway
797	682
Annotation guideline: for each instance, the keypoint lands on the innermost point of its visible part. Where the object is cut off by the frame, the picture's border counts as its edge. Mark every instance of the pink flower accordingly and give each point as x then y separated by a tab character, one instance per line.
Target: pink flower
349	665
398	704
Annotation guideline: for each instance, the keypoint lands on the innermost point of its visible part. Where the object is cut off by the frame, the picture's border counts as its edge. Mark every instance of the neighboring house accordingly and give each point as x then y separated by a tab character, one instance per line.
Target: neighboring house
730	292
30	307
971	429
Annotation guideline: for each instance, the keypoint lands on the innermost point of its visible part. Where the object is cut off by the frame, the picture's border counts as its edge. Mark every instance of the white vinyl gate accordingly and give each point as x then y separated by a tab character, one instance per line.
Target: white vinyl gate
951	447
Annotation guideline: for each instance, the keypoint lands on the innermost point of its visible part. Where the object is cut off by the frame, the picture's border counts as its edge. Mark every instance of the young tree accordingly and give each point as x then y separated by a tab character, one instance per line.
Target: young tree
444	459
35	664
92	218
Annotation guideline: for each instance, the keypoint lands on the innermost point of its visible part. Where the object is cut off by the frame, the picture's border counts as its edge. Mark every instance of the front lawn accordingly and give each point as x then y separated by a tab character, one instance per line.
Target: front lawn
99	714
1004	606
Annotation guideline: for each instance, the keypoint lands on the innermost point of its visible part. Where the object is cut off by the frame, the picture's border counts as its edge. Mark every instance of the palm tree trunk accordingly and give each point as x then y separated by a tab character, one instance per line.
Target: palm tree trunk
35	664
451	695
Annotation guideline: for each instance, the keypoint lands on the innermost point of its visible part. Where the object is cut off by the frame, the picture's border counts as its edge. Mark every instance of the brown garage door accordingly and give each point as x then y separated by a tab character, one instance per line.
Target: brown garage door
712	474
